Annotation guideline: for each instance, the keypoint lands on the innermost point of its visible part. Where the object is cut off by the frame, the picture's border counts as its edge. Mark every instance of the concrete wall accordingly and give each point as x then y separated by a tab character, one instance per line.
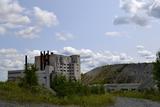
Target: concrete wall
43	76
69	65
13	75
118	87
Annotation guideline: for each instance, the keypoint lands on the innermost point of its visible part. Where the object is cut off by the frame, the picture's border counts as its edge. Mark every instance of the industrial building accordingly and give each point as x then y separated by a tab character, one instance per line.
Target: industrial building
122	86
48	65
69	65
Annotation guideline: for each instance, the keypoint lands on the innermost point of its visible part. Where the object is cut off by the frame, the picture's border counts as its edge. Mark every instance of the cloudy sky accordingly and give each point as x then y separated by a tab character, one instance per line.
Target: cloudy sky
101	31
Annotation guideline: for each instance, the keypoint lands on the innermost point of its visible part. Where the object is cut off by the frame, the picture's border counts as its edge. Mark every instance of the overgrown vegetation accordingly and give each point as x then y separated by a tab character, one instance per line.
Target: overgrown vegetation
13	92
67	92
156	70
30	79
65	87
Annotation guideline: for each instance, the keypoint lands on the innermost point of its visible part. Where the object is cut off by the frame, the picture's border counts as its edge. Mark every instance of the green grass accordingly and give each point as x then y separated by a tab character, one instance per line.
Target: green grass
91	101
150	95
10	91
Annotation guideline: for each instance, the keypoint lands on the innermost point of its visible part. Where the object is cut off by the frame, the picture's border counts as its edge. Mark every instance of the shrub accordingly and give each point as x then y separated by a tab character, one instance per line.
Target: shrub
64	87
30	79
98	89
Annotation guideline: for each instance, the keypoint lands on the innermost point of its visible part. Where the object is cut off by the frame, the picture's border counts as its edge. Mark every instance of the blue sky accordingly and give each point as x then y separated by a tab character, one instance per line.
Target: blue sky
102	32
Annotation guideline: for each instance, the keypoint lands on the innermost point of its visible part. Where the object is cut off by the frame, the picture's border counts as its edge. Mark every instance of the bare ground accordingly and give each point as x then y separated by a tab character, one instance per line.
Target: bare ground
132	102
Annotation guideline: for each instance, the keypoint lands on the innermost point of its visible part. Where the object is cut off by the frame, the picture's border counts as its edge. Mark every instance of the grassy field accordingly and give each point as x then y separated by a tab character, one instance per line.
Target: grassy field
150	95
12	92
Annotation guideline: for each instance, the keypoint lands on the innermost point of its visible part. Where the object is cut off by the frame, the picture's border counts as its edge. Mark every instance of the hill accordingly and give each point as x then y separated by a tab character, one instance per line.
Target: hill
119	73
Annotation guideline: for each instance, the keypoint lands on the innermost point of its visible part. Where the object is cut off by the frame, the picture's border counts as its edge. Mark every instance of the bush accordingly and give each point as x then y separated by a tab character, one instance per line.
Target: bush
30	79
64	87
99	89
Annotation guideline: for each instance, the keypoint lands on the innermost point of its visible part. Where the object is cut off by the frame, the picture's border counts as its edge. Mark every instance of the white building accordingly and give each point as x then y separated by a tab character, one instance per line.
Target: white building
69	65
48	65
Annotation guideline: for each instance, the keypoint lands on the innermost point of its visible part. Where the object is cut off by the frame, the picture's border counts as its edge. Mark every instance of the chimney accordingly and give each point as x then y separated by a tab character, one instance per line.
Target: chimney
44	60
26	63
41	60
48	63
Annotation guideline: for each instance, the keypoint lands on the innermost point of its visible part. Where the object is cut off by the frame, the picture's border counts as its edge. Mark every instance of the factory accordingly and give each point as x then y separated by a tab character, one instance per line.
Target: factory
48	65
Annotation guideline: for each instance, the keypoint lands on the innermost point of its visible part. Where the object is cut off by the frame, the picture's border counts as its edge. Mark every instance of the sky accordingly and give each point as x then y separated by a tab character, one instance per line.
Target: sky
101	31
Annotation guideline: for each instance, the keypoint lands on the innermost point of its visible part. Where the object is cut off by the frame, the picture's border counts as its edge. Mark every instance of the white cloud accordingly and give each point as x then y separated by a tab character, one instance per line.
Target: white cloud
12	13
132	6
136	19
85	53
10	6
3	76
45	17
139	12
24	22
121	20
140	47
115	34
2	30
140	20
12	59
64	36
3	51
17	19
30	32
145	53
154	9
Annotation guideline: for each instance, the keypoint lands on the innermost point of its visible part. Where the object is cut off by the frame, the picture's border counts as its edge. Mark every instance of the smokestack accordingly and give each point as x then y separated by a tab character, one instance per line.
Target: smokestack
41	60
26	63
44	53
48	58
44	60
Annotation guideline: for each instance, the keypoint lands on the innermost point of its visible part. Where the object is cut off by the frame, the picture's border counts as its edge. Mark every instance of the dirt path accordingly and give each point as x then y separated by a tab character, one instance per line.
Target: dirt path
121	102
131	102
14	104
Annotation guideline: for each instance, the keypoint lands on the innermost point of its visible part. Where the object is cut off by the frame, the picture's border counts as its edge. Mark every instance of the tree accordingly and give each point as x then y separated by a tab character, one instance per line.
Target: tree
156	70
30	78
65	87
59	84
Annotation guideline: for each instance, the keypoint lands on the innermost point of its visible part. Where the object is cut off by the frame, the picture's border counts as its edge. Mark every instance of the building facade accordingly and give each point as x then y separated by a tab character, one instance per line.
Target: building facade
48	65
68	65
15	74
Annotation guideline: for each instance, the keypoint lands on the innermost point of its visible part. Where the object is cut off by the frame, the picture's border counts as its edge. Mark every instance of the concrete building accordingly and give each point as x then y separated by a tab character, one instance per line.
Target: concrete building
15	74
50	64
43	76
67	65
124	86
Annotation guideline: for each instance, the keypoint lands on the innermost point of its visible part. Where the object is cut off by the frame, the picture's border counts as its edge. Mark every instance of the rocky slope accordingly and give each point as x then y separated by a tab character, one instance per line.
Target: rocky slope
120	73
